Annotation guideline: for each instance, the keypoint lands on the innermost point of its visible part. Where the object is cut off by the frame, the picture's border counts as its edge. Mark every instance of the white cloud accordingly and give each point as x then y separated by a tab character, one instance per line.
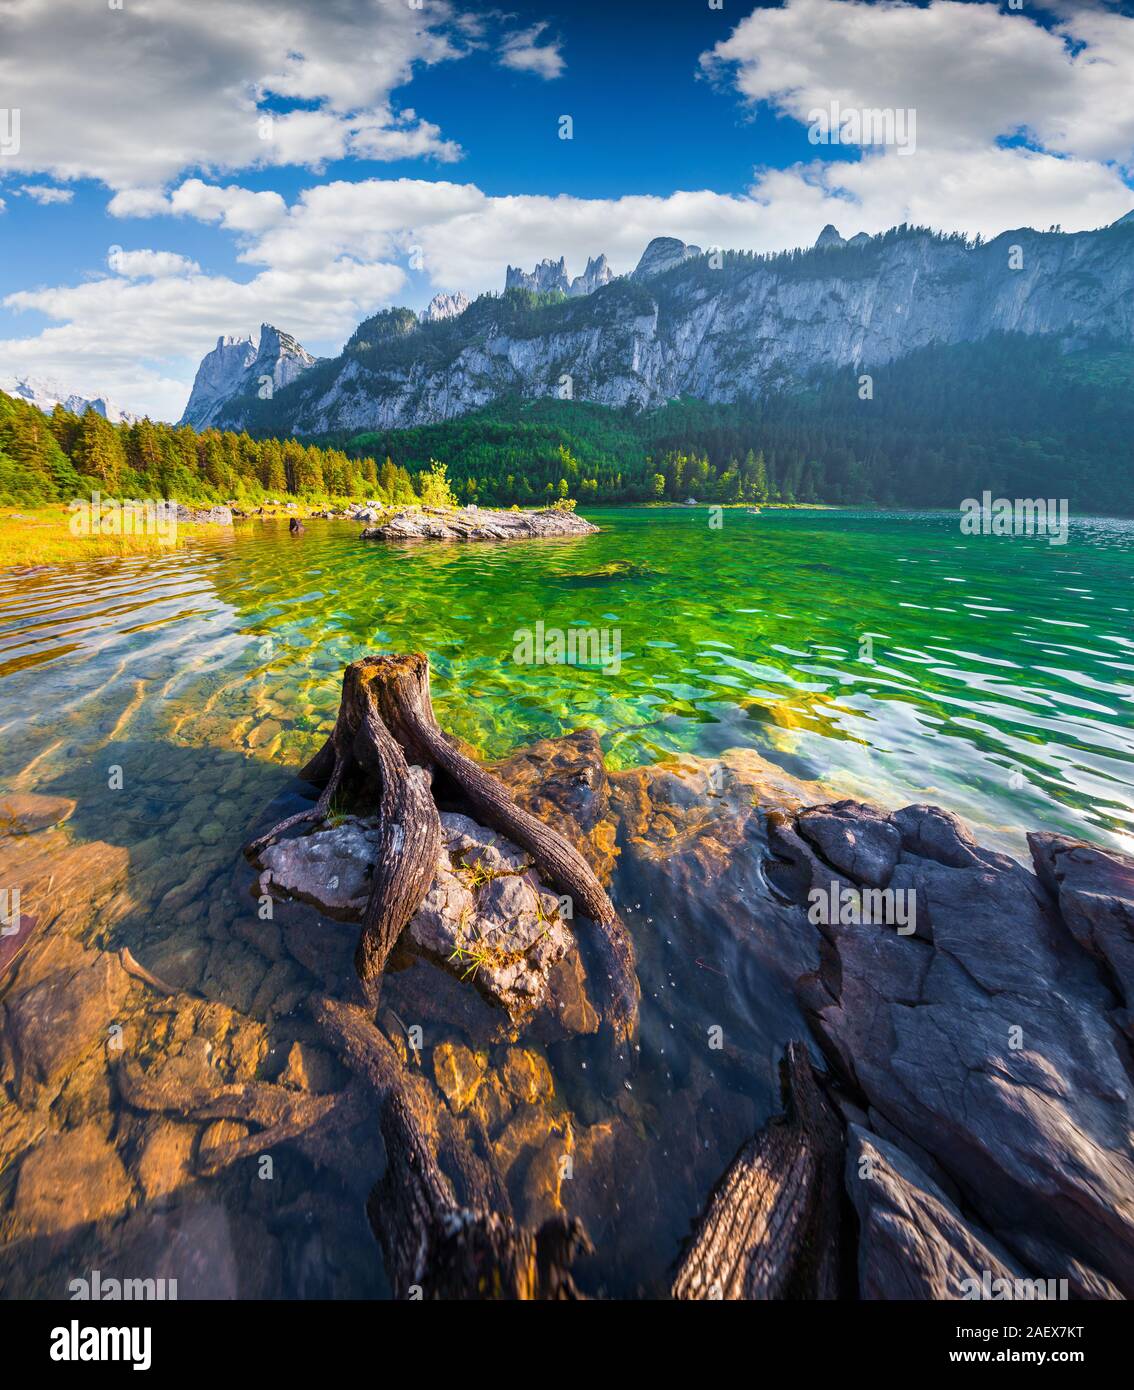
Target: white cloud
236	209
136	96
45	194
342	249
465	238
150	265
140	340
974	73
523	52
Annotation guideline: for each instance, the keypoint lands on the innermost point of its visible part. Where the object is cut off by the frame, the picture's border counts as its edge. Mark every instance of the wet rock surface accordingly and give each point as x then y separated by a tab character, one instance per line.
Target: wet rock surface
976	1062
984	1040
1095	894
913	1242
473	524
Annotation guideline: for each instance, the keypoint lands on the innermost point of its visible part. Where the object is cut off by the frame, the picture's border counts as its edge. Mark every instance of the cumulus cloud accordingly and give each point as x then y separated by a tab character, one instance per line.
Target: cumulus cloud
236	209
135	97
44	194
974	73
523	52
462	238
150	265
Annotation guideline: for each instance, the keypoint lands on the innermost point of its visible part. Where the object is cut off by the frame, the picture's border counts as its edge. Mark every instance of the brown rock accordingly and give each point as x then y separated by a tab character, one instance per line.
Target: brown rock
564	782
527	1076
71	1179
309	1068
64	1017
459	1072
166	1163
216	1136
21	813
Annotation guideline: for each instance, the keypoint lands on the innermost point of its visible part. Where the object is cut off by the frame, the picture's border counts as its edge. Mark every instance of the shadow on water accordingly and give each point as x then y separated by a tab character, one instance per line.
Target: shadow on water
648	1142
187	911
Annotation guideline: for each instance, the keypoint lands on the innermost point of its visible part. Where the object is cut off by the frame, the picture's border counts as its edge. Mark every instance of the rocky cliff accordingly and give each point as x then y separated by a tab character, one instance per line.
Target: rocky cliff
445	306
238	367
713	325
552	275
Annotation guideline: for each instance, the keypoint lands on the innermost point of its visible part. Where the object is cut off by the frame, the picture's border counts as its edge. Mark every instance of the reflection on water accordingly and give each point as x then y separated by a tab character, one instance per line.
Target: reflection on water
885	656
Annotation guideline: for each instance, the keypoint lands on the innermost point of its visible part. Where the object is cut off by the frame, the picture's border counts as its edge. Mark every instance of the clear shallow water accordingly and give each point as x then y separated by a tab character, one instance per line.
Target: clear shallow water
999	680
1000	686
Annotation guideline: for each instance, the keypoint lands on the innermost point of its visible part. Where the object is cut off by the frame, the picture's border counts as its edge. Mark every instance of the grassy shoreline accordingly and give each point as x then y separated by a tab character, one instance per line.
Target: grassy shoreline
42	537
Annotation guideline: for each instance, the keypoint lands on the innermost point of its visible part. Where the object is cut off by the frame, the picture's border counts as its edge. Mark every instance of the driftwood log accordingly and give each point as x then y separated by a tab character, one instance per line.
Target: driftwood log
771	1229
439	1242
387	748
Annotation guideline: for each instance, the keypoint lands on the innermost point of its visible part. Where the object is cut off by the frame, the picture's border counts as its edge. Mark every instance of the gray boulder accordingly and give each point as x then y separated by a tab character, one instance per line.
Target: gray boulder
990	1047
913	1241
1095	892
857	840
486	917
432	524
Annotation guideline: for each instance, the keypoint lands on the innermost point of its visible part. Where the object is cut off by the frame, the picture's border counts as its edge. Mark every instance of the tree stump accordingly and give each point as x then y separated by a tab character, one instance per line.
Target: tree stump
771	1229
387	748
436	1245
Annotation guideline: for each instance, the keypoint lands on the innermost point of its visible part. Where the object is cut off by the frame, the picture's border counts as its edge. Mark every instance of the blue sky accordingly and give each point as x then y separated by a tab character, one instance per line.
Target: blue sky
210	166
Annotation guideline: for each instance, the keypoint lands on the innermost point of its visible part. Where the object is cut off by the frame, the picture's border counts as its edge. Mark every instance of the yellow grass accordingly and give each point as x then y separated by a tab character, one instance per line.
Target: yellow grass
43	537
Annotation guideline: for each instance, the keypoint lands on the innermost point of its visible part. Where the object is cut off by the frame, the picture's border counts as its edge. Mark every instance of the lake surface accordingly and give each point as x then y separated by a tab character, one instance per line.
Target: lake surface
885	655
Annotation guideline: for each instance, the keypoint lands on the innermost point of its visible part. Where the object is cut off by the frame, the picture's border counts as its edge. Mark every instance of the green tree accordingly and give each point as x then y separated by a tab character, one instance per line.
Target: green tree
435	489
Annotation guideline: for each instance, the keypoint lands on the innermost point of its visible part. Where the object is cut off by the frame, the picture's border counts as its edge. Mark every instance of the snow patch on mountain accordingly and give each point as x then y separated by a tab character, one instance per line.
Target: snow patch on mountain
46	394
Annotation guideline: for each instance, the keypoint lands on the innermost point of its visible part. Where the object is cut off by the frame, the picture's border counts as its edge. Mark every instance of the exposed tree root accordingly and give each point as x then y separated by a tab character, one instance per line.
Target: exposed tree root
387	746
279	1114
436	1242
771	1229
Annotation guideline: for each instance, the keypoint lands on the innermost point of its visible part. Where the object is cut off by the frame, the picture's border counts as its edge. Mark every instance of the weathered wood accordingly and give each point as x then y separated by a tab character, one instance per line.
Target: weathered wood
409	841
771	1229
408	709
362	752
435	1246
386	736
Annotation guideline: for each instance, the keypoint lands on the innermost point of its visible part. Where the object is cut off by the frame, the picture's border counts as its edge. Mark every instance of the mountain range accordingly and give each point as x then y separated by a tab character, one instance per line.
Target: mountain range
45	395
716	326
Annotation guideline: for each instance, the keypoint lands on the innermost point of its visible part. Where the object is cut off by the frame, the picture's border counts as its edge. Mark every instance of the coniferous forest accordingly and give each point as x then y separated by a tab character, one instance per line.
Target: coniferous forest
1012	414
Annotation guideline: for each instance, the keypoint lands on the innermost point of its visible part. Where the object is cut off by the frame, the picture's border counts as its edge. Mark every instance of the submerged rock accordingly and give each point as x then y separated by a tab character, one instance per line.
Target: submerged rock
69	1180
469	524
564	781
616	569
22	813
